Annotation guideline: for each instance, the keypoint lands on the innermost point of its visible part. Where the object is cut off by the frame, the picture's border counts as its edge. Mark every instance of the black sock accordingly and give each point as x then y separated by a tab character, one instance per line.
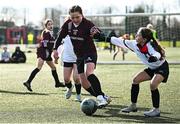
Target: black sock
32	75
68	85
134	92
55	76
155	98
95	84
91	91
78	88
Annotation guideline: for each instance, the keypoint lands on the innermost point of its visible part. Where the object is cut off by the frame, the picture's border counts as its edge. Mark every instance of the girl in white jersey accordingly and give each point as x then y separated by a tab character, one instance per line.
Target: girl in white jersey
69	66
152	55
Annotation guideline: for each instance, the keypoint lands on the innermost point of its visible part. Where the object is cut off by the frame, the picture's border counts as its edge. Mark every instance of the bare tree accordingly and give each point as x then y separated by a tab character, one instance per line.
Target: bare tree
9	14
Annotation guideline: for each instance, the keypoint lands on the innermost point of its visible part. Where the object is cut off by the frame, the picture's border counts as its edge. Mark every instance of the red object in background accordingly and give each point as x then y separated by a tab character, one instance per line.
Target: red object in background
14	35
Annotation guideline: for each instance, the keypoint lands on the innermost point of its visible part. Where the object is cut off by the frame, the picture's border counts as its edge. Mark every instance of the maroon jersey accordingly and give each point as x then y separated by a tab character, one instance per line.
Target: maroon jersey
46	46
80	37
47	39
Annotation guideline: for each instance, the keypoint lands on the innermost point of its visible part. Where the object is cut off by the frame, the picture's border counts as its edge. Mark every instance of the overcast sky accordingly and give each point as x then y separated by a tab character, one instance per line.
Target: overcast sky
35	8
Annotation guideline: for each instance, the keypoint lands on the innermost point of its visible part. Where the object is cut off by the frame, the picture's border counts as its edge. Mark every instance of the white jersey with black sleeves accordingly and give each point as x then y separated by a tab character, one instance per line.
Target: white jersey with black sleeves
132	45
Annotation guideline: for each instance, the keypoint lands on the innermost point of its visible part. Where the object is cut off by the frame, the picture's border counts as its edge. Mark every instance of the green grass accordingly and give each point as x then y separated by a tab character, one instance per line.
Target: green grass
47	104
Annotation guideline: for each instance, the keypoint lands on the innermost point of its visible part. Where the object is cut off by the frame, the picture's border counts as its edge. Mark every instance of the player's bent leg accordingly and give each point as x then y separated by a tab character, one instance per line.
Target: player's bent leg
27	83
156	80
95	83
84	82
55	75
115	54
140	77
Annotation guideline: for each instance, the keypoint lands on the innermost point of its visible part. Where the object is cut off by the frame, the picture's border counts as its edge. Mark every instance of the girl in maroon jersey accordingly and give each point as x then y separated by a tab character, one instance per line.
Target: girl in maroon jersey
80	31
44	52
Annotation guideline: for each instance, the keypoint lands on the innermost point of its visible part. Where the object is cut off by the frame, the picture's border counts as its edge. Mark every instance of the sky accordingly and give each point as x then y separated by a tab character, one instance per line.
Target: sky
35	8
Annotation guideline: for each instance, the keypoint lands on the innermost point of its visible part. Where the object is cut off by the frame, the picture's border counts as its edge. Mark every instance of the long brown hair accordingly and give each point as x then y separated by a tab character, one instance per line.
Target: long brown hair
75	8
148	35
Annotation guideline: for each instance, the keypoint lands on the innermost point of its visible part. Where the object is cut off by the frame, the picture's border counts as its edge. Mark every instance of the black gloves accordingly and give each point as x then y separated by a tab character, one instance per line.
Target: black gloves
152	59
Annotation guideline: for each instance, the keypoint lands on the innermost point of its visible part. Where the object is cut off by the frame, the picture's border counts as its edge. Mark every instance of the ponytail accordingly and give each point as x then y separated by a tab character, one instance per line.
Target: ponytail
158	47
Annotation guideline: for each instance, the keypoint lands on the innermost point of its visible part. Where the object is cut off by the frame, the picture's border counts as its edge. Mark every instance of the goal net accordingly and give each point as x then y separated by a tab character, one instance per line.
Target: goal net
167	25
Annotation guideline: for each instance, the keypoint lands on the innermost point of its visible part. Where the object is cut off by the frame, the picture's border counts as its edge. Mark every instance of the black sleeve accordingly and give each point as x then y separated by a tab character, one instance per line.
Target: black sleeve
101	37
62	34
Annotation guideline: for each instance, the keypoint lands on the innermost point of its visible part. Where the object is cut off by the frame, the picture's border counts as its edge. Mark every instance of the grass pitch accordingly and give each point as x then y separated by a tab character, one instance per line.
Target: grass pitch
48	105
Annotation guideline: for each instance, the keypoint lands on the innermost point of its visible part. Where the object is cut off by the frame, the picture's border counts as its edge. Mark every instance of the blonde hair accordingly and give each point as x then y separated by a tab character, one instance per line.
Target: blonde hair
150	26
47	21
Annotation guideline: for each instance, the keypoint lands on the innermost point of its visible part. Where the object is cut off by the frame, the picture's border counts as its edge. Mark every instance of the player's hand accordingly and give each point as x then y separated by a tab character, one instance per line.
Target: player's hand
126	37
56	61
94	30
55	54
152	59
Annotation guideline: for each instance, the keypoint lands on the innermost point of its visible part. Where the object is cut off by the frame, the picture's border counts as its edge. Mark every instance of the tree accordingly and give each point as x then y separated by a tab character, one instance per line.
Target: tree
9	14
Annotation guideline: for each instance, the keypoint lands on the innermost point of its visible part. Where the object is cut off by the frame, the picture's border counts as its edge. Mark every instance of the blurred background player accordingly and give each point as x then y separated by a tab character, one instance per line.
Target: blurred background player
112	47
81	31
44	52
150	26
150	53
69	66
123	50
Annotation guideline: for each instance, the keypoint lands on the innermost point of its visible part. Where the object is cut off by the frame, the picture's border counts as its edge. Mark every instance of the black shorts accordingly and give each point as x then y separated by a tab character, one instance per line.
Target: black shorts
68	64
83	60
44	54
162	70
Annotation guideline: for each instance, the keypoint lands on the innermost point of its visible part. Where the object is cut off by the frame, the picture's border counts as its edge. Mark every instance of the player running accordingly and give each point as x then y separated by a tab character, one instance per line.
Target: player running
81	31
44	52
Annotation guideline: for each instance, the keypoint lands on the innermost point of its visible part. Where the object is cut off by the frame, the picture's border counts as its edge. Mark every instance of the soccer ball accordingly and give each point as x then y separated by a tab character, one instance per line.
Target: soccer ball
88	106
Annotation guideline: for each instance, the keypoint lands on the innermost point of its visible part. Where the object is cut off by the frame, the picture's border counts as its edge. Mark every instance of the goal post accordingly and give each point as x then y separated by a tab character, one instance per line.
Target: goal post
167	25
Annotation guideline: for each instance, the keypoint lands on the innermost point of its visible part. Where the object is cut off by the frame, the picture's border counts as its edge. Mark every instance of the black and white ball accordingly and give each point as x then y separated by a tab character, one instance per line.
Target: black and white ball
89	106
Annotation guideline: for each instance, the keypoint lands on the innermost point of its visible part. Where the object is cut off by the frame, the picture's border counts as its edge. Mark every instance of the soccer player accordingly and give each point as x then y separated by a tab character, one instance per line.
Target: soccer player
153	56
81	31
69	67
112	47
44	52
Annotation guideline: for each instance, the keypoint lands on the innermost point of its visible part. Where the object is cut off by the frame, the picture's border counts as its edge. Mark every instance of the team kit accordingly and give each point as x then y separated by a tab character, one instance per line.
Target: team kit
75	45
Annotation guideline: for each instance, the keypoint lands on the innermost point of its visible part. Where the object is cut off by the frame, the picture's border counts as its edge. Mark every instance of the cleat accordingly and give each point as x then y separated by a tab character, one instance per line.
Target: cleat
152	113
131	108
69	92
28	86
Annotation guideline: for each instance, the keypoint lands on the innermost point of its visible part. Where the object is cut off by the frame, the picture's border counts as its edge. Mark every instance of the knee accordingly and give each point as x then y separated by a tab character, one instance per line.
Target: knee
135	81
67	79
153	86
39	67
76	79
88	73
53	68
